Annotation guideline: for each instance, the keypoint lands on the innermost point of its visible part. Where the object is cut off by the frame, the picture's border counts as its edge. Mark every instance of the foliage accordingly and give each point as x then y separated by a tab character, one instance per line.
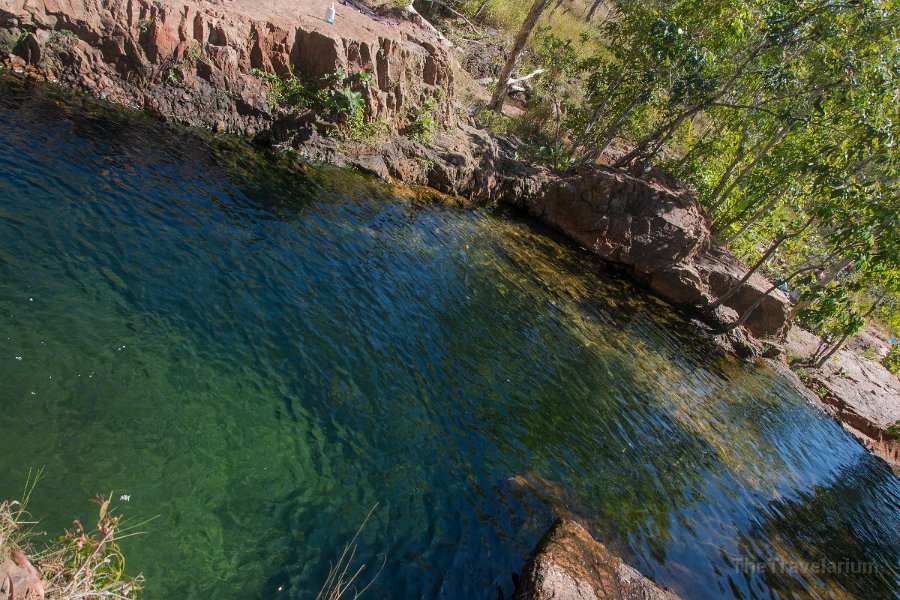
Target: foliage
81	563
338	96
289	90
496	122
781	114
891	362
894	430
424	124
66	34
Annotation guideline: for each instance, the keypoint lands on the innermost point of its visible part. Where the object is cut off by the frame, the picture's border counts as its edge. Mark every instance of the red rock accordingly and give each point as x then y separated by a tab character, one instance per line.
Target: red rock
118	38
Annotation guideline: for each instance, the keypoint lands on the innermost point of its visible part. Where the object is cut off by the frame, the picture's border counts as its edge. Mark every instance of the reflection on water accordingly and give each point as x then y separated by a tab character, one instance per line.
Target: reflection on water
258	355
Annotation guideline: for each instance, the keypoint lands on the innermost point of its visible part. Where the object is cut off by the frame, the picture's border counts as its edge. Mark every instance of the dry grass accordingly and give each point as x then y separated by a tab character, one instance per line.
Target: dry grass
87	563
341	581
83	563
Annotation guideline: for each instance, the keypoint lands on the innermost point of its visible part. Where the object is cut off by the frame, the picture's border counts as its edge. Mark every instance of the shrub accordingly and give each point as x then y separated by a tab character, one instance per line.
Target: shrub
891	362
81	563
289	90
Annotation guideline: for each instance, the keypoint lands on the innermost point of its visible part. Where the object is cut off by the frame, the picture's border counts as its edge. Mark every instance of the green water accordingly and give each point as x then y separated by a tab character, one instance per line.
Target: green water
258	355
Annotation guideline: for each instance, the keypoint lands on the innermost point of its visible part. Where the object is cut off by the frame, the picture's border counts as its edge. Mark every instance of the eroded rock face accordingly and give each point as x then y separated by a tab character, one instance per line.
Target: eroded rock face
660	232
720	271
569	564
194	60
624	219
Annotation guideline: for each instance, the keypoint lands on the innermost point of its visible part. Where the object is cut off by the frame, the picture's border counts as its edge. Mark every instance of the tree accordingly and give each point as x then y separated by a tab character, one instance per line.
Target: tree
518	43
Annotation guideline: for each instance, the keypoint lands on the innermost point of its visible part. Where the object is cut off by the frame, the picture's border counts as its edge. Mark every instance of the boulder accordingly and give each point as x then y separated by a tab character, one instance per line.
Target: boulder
624	219
721	271
569	564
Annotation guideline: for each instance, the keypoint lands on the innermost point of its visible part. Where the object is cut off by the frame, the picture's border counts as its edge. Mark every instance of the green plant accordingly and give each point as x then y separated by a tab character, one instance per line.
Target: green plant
342	95
67	34
891	362
427	163
195	55
367	132
894	430
26	29
345	100
144	25
424	125
495	122
172	74
288	90
81	563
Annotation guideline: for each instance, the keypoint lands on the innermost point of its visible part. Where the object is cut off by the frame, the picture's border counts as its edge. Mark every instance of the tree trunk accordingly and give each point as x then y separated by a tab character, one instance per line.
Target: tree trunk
768	253
821	362
611	131
663	131
756	303
595	116
717	202
753	219
666	130
726	175
524	31
480	8
695	148
828	278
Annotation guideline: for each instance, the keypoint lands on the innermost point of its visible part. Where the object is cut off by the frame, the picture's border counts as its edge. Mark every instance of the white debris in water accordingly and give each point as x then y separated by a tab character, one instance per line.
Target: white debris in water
18	358
125	497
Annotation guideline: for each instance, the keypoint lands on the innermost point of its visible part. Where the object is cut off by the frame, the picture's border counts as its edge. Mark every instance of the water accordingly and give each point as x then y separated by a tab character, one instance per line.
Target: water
259	356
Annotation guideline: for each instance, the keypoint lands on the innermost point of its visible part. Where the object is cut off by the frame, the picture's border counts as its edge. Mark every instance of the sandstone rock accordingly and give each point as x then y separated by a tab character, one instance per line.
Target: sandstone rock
569	564
624	219
213	47
19	579
721	271
860	393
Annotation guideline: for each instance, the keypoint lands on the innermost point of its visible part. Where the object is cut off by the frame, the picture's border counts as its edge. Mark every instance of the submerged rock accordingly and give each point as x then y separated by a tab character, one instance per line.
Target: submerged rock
569	564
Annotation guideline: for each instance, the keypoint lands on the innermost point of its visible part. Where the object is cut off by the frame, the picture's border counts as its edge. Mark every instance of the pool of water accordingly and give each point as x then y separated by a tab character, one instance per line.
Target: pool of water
259	354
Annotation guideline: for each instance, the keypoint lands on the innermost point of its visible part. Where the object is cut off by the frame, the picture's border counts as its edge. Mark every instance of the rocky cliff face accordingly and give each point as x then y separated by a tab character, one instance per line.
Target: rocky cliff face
194	60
